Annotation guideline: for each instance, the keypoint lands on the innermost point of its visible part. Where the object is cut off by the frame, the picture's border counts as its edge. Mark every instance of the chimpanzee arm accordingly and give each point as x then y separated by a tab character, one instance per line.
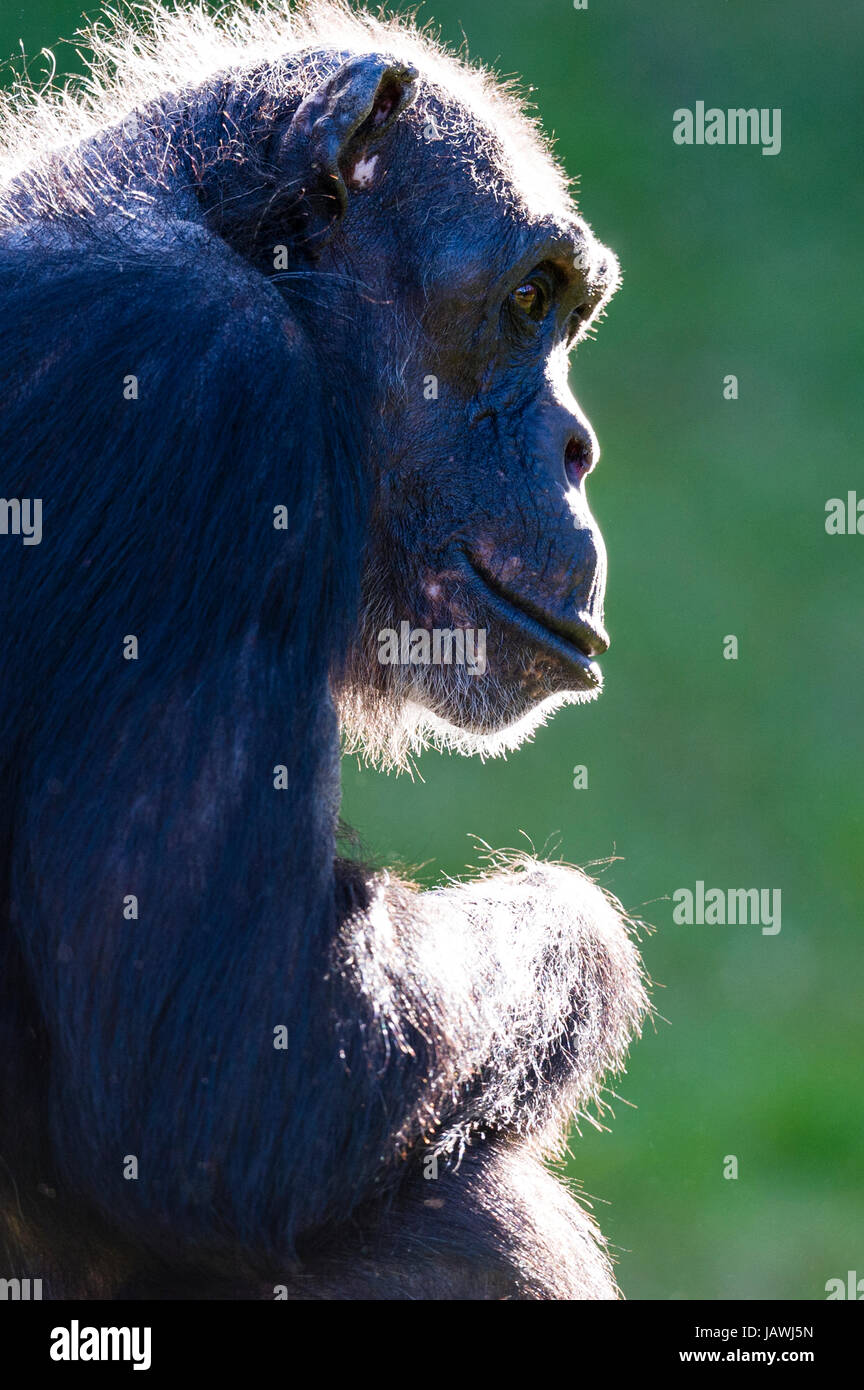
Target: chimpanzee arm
165	401
523	988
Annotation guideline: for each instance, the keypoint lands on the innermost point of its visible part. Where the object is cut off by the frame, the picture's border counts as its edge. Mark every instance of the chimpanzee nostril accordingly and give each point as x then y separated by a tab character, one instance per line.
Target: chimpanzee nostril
578	458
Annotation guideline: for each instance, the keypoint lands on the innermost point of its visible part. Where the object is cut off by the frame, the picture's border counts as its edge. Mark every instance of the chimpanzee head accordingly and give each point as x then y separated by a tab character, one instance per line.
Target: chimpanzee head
485	571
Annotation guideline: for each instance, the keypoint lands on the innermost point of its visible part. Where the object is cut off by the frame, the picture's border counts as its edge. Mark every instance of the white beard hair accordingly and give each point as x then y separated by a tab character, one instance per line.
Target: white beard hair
389	727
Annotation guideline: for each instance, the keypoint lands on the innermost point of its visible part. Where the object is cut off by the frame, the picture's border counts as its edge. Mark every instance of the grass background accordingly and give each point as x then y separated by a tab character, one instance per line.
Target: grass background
742	773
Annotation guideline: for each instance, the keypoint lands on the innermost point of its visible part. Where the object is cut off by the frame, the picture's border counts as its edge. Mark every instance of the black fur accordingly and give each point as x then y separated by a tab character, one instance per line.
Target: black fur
460	1026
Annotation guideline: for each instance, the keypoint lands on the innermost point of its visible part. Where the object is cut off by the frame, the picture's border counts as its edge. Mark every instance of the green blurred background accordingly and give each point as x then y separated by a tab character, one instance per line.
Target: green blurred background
740	773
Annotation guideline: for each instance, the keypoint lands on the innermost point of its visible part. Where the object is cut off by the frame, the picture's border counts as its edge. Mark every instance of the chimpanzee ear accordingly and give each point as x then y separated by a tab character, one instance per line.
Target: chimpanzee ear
356	105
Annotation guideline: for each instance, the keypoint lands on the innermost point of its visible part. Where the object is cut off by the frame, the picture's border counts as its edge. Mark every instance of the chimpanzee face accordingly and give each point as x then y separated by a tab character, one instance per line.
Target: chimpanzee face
482	279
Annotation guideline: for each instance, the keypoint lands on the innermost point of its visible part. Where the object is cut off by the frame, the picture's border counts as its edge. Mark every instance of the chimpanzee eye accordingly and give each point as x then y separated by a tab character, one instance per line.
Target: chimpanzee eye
526	297
533	297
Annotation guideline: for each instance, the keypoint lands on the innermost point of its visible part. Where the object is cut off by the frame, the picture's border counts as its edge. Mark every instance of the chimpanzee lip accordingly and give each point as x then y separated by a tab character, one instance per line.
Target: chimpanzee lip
555	634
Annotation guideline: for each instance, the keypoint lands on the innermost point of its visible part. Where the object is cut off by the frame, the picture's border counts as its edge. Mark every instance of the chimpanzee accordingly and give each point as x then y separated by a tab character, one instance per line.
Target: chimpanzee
286	301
